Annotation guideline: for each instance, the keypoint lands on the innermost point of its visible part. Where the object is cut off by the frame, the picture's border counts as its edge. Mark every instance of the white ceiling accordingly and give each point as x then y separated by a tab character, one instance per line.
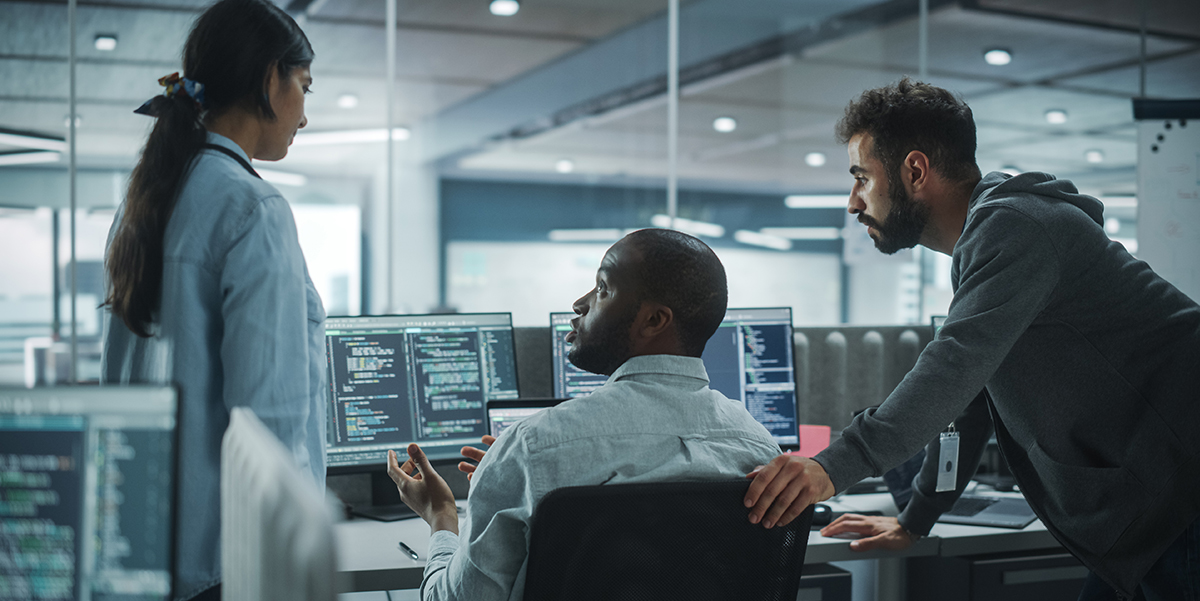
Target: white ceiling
454	51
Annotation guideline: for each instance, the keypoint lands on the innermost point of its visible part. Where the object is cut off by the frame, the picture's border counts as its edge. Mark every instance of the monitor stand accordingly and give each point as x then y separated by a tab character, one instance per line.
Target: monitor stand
385	501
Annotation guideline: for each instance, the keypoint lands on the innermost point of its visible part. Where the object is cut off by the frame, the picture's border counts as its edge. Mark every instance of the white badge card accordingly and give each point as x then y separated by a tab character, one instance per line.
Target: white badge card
947	479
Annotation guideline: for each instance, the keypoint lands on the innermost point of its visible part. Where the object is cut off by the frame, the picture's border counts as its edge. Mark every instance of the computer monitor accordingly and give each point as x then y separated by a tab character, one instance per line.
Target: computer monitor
749	359
87	492
413	378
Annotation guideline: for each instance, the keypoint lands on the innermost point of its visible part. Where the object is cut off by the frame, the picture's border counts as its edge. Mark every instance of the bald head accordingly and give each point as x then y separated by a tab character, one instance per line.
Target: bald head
682	273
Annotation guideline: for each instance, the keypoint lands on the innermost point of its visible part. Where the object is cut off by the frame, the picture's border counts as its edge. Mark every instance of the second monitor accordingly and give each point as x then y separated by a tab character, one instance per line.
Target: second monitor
749	359
413	378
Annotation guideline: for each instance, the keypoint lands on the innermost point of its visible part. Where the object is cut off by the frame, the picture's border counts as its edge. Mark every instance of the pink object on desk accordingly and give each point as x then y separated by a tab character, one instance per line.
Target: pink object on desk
813	440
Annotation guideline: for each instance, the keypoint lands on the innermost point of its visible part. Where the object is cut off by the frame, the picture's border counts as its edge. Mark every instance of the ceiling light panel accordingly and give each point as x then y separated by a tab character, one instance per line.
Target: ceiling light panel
106	42
997	56
724	124
504	8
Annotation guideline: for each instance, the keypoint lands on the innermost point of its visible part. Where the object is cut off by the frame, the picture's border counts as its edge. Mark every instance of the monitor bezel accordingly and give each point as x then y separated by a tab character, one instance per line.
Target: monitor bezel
437	458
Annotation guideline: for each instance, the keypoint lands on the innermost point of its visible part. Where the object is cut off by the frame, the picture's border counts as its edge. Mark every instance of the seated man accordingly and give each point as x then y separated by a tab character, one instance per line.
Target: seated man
659	296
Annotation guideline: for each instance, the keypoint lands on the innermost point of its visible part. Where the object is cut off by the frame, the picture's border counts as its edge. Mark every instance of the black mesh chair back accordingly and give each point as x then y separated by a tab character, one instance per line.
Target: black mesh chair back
661	541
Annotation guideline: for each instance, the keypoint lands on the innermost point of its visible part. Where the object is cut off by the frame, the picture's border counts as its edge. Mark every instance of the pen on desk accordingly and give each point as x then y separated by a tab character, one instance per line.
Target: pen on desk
408	549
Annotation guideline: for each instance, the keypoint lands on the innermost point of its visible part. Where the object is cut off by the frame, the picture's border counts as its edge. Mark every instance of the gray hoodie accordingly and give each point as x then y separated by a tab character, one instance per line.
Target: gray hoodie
1088	364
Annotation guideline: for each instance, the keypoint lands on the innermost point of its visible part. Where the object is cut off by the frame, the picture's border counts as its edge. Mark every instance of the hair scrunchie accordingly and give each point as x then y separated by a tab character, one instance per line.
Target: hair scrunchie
175	85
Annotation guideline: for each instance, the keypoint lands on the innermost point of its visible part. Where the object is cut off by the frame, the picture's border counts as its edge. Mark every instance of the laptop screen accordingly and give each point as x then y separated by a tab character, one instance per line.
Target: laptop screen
503	415
87	492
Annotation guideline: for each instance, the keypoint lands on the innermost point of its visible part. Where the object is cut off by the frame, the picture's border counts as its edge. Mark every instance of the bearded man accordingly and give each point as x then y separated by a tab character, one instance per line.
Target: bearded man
1085	361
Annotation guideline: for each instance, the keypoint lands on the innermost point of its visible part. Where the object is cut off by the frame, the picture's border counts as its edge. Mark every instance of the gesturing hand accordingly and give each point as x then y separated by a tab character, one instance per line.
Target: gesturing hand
880	532
424	491
784	488
475	455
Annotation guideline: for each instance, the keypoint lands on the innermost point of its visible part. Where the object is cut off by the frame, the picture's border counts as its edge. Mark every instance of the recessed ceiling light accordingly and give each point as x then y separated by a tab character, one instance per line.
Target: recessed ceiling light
1056	116
67	121
106	42
814	159
1094	155
1010	169
347	101
505	8
1112	225
997	56
724	124
564	166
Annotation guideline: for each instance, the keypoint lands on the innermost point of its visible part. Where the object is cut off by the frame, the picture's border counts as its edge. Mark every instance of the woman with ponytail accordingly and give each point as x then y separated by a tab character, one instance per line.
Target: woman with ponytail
208	288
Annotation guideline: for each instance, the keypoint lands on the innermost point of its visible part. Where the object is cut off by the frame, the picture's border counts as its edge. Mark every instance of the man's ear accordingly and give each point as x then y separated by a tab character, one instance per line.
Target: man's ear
915	171
653	319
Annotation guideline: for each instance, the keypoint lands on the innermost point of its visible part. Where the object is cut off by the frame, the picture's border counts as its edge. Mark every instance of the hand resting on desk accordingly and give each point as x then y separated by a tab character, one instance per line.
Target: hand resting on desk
423	490
879	532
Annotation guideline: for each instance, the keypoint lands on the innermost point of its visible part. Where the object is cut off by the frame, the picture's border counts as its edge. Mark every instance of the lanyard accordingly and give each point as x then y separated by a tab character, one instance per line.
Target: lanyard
237	157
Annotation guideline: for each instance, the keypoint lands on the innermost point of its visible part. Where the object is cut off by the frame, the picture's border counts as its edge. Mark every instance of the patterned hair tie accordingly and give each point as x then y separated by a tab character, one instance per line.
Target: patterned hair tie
175	85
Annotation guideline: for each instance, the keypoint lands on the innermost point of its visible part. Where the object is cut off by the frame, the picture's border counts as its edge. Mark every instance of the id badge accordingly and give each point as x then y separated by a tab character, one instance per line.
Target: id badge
947	479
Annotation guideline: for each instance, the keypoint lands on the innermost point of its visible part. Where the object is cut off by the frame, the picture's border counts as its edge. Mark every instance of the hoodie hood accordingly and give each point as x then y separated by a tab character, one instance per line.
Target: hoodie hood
1040	184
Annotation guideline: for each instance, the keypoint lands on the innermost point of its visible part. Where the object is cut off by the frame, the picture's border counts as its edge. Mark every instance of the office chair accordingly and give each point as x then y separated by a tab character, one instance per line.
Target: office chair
660	541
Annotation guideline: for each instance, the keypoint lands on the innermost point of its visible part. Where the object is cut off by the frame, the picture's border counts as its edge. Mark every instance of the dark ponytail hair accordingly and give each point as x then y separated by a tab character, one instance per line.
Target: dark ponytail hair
229	51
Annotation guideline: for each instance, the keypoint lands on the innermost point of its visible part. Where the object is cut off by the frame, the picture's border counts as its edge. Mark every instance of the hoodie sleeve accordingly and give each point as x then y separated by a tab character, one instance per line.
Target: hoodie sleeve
1009	269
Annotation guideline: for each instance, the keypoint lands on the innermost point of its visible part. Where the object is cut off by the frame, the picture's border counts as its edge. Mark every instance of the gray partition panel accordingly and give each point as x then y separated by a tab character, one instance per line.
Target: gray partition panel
535	372
842	369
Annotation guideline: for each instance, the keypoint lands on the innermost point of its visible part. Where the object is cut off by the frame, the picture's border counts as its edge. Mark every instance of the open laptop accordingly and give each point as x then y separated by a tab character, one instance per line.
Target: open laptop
87	492
984	510
503	415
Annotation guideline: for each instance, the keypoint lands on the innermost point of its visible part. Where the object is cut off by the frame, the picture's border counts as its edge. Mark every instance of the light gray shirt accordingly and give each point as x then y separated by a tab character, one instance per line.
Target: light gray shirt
655	419
240	325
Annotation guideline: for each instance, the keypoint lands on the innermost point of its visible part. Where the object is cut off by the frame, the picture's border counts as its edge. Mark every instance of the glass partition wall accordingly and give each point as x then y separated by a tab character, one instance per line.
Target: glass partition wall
523	144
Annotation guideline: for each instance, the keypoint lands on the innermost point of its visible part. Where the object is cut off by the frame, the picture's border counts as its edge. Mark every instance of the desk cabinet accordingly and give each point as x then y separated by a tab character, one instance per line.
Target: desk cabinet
823	582
1049	575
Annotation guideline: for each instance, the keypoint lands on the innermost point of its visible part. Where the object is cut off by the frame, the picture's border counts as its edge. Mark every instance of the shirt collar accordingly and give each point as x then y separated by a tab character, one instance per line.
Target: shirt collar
671	365
222	141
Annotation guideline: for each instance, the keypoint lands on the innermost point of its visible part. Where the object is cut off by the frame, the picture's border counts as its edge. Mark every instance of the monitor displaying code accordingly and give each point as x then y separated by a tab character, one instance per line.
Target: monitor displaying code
87	493
417	378
749	358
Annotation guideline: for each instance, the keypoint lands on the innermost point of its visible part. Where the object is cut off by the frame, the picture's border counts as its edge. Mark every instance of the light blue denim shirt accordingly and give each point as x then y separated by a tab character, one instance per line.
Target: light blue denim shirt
655	419
240	325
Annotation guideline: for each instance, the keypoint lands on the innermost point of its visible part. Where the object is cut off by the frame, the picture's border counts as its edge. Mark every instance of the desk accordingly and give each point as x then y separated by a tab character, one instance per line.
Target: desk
370	560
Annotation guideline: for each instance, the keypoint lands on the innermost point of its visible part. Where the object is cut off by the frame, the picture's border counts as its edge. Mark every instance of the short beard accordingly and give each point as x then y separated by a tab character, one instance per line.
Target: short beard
904	223
607	349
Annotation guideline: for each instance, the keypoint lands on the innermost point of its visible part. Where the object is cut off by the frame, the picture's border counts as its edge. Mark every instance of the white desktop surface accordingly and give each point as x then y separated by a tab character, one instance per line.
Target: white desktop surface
370	559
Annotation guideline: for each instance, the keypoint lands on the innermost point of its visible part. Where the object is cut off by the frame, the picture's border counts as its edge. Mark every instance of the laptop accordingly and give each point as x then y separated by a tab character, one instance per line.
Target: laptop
503	415
982	510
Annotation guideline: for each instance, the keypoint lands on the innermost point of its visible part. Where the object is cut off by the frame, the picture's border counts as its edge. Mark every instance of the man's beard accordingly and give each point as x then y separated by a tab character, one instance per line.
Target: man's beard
904	223
604	350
